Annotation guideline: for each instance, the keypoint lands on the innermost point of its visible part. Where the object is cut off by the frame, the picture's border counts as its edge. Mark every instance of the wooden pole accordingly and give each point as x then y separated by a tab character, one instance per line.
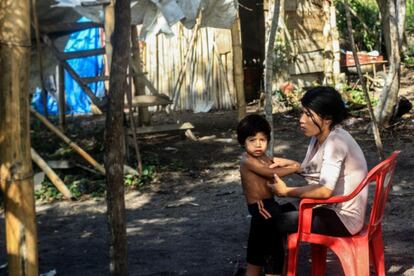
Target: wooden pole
139	88
188	55
375	128
16	175
134	132
53	177
273	19
39	56
138	77
109	14
67	140
114	140
61	95
238	68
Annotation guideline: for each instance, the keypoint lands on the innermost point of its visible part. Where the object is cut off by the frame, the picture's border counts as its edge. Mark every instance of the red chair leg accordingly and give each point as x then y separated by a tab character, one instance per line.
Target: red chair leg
318	260
377	249
292	257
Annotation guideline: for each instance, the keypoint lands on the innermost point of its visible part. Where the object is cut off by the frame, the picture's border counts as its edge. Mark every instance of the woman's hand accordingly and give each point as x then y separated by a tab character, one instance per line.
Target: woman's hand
284	163
279	187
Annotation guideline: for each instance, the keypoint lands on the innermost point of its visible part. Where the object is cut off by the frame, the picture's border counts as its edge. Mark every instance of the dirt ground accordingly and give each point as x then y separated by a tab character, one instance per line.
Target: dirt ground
192	219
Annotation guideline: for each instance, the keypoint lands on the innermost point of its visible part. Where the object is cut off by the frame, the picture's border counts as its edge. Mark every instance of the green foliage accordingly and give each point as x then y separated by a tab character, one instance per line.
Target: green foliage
409	17
90	187
282	53
355	98
366	25
134	181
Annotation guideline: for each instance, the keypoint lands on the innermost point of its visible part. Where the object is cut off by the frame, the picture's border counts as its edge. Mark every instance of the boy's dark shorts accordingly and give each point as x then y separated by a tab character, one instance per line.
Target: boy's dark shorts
265	245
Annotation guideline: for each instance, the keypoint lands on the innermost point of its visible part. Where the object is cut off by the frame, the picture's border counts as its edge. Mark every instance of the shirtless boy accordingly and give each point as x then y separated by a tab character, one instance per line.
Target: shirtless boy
263	249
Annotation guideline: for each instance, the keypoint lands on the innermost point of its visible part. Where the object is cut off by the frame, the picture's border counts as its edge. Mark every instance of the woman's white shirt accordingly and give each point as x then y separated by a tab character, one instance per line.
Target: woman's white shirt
339	164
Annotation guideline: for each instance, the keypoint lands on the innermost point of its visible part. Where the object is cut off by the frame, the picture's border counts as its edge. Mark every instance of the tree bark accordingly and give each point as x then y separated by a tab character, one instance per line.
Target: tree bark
393	16
272	25
114	139
16	175
238	68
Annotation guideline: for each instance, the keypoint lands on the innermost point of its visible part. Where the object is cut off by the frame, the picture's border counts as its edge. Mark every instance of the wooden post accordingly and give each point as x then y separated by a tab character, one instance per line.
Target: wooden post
138	77
114	139
109	30
39	56
16	175
238	68
61	94
188	55
273	19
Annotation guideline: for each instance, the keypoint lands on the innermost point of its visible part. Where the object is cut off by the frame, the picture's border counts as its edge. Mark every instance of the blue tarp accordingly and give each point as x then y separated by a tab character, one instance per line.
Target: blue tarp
77	101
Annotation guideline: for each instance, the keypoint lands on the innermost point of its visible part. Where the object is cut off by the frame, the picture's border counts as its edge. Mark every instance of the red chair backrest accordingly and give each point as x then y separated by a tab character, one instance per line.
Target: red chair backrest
382	175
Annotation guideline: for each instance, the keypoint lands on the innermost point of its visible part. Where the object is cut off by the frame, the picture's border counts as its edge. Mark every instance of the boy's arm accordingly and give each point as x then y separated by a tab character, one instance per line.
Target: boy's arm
283	162
264	170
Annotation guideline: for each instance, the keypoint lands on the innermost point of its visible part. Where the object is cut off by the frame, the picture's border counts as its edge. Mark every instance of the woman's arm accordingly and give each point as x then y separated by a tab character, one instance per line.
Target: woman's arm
280	188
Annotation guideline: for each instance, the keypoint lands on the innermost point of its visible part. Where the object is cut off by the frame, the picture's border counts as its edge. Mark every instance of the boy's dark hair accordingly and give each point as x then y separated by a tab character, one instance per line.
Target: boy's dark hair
250	126
326	102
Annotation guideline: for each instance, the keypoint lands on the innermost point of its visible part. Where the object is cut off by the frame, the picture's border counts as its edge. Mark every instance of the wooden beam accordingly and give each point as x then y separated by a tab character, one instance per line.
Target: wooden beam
95	79
163	128
61	29
96	101
53	177
81	54
67	140
149	100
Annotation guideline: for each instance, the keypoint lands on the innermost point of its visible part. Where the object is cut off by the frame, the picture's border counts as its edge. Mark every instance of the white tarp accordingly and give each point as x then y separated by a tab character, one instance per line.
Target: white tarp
158	15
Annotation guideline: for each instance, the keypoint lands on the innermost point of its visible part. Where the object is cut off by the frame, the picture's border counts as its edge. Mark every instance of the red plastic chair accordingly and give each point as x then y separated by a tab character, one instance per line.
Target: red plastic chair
353	252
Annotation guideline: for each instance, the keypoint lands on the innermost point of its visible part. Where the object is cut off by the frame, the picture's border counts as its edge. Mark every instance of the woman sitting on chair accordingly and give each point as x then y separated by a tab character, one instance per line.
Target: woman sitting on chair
334	165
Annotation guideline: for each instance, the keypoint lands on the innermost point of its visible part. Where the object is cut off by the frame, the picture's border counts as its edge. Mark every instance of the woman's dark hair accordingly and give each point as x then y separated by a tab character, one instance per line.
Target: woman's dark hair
250	126
326	102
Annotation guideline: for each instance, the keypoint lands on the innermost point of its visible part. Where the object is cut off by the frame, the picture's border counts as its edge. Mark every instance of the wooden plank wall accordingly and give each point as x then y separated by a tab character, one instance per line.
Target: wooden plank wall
307	22
208	74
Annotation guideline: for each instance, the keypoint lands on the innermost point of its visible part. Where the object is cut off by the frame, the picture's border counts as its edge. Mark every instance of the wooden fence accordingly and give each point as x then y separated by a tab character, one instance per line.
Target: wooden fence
207	79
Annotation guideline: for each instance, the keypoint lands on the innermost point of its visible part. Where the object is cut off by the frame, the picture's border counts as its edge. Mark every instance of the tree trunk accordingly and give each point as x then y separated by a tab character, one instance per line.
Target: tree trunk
238	68
114	139
16	175
393	15
272	25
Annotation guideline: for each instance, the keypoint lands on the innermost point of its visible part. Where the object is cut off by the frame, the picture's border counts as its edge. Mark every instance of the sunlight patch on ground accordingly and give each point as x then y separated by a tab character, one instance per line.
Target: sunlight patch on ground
133	230
162	221
281	148
409	272
188	200
226	165
394	268
86	234
136	200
